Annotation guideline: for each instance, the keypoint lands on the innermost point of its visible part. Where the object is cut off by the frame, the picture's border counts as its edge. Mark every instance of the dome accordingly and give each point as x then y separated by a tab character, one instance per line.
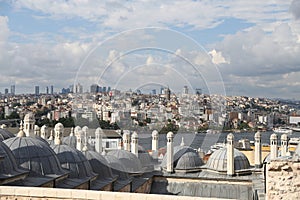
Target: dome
284	137
179	151
273	137
34	155
29	117
129	161
117	167
257	134
189	161
9	164
5	134
74	161
59	127
99	164
170	135
154	133
218	160
70	141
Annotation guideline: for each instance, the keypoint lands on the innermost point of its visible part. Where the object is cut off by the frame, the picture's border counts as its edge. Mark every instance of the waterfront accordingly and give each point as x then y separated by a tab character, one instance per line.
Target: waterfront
205	141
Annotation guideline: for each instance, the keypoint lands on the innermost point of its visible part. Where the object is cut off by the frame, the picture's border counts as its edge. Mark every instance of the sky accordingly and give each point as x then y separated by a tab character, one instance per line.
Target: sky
233	47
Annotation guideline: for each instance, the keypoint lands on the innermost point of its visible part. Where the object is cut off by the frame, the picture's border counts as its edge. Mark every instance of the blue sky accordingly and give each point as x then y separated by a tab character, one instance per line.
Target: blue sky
253	44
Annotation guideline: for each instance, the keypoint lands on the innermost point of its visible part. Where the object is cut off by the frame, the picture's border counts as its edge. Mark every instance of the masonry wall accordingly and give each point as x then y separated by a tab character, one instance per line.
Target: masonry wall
283	179
34	193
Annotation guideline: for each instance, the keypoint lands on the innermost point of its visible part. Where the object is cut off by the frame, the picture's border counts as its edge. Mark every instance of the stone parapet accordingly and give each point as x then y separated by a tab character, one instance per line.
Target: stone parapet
283	179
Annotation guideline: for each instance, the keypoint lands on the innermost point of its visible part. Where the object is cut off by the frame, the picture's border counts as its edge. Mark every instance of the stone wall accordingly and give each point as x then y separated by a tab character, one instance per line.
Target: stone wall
283	179
34	193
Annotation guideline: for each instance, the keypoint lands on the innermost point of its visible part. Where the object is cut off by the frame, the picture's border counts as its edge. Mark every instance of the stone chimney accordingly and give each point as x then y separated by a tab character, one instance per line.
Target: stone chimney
273	150
126	141
284	145
257	156
230	154
170	152
98	140
135	143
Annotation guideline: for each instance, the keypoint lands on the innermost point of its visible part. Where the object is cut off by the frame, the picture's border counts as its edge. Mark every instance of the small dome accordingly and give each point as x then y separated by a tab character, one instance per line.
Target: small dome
77	129
74	161
179	151
5	134
29	117
273	137
154	133
70	141
129	161
99	131
189	161
59	127
99	164
257	134
134	135
284	137
230	136
170	135
34	155
218	160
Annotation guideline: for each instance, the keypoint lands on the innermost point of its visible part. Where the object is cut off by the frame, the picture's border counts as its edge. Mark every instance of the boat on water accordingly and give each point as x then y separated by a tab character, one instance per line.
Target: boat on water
296	129
282	130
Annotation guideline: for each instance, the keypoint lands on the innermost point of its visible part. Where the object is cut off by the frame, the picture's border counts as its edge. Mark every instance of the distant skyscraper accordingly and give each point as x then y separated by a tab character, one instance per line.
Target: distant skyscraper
47	90
37	90
154	91
12	89
167	93
94	88
5	91
78	88
104	89
108	89
51	89
198	91
185	90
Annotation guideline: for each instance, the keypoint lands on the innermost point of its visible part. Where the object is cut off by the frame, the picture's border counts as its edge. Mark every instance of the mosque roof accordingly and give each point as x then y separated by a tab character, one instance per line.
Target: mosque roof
9	168
129	160
99	164
179	152
5	134
34	155
74	161
218	160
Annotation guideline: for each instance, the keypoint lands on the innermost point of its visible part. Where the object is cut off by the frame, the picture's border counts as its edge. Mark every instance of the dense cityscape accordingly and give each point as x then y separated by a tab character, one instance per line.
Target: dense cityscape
164	110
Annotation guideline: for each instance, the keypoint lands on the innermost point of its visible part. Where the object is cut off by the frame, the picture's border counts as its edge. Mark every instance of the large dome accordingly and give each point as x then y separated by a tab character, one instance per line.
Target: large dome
74	161
99	164
179	152
5	134
34	155
189	161
218	161
129	161
8	164
117	167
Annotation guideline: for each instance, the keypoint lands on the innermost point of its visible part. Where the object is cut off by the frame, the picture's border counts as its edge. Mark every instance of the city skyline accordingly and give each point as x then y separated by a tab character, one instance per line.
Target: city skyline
254	45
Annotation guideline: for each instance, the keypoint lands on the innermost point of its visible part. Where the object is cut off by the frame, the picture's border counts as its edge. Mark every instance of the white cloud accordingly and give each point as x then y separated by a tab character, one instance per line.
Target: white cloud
217	57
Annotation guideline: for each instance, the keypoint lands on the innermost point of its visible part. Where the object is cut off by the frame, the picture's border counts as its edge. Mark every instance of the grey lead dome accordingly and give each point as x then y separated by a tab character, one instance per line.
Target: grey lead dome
34	155
218	160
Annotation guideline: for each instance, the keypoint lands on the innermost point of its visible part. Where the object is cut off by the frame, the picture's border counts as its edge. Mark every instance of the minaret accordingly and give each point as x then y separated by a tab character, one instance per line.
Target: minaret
85	143
135	143
170	150
155	144
230	154
257	156
284	145
126	141
44	132
58	130
29	122
21	133
274	150
79	140
51	137
76	130
37	130
98	140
